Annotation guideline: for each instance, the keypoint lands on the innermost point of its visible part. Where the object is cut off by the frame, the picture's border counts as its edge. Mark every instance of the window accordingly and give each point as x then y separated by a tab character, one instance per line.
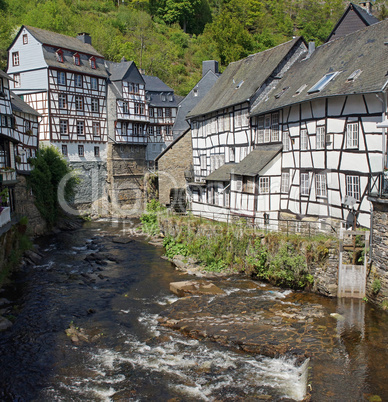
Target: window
158	130
267	128
160	112
27	125
353	187
80	150
15	58
263	185
61	78
304	184
168	112
25	39
94	83
232	155
77	59
136	88
260	130
249	185
95	105
96	129
286	141
79	102
322	83
63	127
352	135
238	183
92	62
78	80
285	182
355	74
139	108
59	54
80	128
16	83
124	128
321	137
97	151
150	130
304	141
275	127
321	184
151	111
62	101
125	108
64	150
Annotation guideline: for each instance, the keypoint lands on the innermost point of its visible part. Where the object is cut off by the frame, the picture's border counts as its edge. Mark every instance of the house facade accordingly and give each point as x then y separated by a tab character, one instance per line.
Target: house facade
162	110
64	79
19	125
314	141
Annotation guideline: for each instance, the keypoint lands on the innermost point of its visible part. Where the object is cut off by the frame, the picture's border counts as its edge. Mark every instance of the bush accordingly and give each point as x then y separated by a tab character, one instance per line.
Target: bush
149	220
376	286
49	169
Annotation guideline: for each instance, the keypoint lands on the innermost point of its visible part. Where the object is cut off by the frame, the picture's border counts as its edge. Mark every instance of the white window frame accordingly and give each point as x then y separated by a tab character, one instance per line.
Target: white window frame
63	127
353	186
264	185
79	102
304	140
80	125
62	101
81	150
61	78
304	184
352	135
285	186
64	150
260	130
15	58
78	80
275	127
286	141
96	128
321	185
95	105
249	184
267	128
94	83
321	137
238	183
17	82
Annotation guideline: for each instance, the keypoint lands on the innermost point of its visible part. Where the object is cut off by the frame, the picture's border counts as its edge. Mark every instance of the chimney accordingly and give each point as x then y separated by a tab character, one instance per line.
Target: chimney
311	48
367	6
211	65
84	37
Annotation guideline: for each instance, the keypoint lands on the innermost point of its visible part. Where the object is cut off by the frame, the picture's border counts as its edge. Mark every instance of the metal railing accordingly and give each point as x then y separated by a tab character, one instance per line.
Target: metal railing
378	184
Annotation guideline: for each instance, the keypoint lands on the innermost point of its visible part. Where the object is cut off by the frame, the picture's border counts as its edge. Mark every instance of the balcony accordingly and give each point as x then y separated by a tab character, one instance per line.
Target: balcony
7	176
378	185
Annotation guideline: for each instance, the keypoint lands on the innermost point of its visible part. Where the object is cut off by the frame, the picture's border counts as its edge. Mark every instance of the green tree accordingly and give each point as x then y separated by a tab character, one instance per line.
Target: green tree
49	169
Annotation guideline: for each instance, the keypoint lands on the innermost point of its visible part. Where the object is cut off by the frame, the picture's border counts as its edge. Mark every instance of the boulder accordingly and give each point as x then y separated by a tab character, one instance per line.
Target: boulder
199	287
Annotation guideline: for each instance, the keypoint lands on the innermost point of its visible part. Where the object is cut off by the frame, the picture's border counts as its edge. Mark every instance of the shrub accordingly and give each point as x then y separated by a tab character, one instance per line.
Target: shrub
149	219
376	286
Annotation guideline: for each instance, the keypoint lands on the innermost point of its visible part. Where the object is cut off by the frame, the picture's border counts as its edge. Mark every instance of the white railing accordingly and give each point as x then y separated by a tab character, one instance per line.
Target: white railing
5	216
8	175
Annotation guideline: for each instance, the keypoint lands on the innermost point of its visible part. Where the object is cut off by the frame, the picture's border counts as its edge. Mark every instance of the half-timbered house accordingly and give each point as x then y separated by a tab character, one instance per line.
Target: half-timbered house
127	126
162	109
64	79
327	107
221	127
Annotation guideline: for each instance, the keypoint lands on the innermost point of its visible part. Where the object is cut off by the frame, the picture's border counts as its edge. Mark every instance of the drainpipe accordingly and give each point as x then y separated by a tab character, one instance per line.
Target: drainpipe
370	236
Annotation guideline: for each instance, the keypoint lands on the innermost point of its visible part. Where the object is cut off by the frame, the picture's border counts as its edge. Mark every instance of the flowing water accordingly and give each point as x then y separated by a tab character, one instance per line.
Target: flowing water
112	293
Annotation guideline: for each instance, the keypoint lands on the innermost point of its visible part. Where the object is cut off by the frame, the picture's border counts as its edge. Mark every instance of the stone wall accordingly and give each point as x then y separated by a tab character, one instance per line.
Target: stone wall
126	168
91	193
25	206
172	165
379	270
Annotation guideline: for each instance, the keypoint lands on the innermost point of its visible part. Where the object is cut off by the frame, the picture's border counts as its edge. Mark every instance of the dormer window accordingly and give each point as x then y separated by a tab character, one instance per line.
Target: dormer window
163	97
322	82
195	91
92	62
77	59
59	54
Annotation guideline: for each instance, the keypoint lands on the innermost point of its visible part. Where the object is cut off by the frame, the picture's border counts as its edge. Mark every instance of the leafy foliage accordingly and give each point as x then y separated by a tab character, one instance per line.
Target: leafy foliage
149	219
49	169
170	38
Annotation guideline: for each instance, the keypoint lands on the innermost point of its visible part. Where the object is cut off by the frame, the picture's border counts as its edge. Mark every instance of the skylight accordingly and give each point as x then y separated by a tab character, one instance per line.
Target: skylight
354	75
299	90
322	82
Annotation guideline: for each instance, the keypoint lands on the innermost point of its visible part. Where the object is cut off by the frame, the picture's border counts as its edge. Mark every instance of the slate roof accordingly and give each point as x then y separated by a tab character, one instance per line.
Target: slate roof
18	105
255	161
362	50
155	84
365	17
241	79
222	173
61	41
117	71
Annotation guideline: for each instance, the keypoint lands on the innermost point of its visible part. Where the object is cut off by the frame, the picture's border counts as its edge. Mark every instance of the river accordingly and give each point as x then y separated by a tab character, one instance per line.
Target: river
112	293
